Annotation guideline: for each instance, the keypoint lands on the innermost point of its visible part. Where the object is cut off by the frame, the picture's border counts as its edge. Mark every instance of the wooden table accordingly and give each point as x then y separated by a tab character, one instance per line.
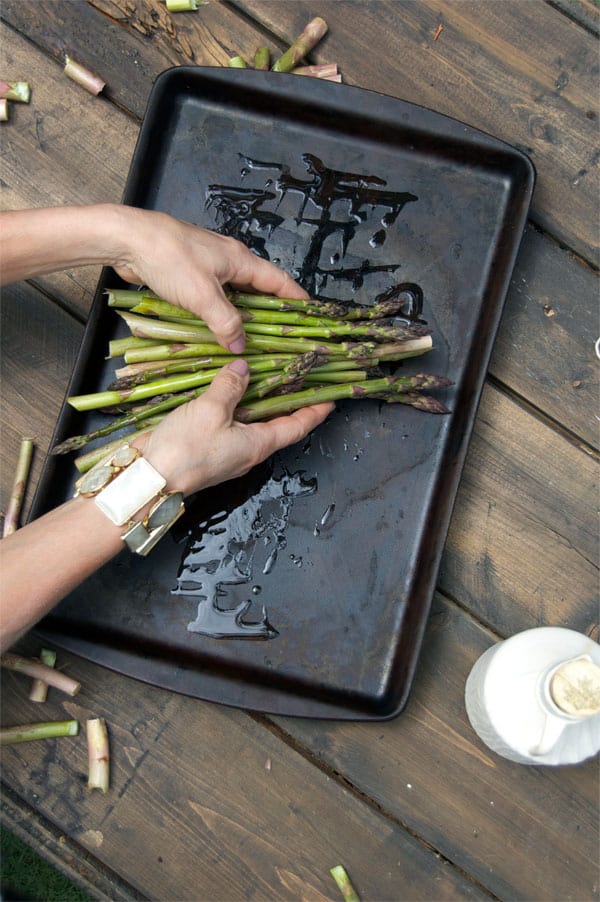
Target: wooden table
217	804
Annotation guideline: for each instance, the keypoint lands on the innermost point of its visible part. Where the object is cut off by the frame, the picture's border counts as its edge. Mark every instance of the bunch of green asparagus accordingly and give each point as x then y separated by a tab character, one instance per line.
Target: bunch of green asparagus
299	352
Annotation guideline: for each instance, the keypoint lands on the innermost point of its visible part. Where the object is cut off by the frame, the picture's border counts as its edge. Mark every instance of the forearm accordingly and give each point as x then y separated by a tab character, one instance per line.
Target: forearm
45	560
36	242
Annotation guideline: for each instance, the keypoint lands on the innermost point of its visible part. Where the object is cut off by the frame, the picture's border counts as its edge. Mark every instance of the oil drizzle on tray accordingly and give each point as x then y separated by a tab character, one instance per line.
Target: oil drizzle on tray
333	204
221	550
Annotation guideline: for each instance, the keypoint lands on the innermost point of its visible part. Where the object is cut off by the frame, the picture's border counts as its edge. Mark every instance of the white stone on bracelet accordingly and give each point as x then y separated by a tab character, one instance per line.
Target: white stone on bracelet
133	488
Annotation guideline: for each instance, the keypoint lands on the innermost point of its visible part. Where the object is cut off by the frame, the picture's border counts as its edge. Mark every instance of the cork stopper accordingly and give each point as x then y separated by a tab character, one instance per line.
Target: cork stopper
575	687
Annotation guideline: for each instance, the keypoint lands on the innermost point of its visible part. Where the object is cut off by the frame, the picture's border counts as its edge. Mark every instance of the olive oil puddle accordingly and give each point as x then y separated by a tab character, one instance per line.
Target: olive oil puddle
222	549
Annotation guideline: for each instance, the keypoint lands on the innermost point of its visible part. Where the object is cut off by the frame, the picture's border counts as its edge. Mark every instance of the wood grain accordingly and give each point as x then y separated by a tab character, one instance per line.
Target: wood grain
522	546
194	811
524	832
39	346
523	72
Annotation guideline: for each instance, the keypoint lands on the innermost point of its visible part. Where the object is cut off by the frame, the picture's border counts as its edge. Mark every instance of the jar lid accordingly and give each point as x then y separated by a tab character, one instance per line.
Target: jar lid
575	687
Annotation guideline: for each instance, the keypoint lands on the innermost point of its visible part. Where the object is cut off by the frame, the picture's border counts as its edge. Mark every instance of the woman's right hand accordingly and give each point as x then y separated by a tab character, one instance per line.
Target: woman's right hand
200	444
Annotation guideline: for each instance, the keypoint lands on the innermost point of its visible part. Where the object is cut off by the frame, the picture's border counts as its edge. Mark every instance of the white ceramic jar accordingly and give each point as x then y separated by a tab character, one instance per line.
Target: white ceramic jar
535	698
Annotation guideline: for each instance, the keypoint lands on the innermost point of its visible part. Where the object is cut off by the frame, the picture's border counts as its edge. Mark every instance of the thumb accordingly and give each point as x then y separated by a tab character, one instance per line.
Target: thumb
228	386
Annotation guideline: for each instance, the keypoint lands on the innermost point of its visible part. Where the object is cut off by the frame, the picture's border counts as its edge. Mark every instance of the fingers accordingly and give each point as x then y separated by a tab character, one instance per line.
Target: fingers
288	430
254	272
227	388
222	318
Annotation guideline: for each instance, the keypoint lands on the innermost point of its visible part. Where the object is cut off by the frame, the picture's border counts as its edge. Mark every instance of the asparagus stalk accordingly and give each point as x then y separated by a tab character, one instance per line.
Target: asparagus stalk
33	668
269	302
256	364
131	419
30	731
39	688
11	520
15	90
86	461
178	382
118	347
304	43
358	330
269	407
144	327
153	351
98	754
126	297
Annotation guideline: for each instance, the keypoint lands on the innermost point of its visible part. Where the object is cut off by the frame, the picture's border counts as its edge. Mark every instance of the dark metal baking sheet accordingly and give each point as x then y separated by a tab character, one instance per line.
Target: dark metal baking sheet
339	538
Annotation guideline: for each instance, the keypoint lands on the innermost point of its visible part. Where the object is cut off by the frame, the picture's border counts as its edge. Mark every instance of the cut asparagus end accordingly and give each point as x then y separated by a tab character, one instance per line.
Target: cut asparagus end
98	754
15	90
85	78
344	883
33	668
39	688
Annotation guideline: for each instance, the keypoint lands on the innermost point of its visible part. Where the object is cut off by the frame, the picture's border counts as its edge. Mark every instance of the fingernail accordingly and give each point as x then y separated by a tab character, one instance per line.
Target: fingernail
239	366
237	346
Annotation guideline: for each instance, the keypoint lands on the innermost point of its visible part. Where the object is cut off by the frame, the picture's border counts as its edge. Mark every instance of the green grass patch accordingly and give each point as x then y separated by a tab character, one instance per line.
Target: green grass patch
26	877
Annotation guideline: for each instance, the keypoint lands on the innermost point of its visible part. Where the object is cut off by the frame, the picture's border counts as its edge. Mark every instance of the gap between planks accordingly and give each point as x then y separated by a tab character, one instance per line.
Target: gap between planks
348	786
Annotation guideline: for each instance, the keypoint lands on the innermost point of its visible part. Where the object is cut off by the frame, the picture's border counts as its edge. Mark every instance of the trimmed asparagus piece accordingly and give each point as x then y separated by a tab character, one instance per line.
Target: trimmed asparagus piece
304	43
31	667
30	731
15	90
39	688
84	77
344	883
98	754
11	520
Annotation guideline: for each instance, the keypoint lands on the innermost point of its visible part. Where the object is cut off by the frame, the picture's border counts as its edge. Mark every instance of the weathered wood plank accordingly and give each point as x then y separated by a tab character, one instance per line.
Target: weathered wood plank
235	813
65	147
521	71
525	832
39	345
544	350
585	12
522	549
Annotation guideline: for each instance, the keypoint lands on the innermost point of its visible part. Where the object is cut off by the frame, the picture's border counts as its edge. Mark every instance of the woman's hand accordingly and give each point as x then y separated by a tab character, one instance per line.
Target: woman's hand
200	444
182	263
188	266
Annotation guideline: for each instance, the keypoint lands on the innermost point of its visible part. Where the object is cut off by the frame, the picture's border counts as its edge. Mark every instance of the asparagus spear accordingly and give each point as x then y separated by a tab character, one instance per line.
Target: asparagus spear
130	419
269	407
